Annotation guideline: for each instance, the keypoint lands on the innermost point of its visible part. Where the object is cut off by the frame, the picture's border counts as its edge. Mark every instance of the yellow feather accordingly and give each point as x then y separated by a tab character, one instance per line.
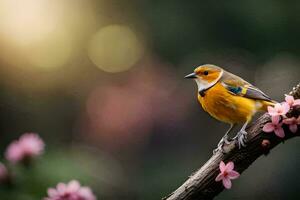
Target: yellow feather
229	108
244	90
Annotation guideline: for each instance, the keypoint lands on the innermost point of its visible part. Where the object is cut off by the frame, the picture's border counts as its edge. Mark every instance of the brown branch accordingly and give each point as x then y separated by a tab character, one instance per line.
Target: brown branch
202	184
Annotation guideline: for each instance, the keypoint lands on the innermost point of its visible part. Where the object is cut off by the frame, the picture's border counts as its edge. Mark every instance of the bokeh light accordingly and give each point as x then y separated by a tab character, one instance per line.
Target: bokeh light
123	114
54	52
44	34
115	48
25	22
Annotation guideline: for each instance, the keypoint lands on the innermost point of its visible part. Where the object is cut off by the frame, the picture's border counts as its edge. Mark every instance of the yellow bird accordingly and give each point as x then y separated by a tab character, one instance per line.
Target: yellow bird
228	98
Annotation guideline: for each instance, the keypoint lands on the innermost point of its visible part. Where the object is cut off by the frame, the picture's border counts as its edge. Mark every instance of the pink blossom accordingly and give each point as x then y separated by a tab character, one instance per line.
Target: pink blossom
227	173
274	126
3	173
291	101
28	146
293	123
70	191
279	109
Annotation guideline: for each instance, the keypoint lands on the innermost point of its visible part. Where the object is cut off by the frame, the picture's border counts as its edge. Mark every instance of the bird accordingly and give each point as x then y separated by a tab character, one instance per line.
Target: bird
228	98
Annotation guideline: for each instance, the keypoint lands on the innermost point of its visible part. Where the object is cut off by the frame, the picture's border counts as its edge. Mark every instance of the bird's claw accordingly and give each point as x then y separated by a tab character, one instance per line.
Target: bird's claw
241	138
223	141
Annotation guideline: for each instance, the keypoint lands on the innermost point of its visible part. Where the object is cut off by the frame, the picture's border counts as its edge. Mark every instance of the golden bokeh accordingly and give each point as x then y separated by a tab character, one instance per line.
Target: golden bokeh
54	52
44	33
25	22
115	48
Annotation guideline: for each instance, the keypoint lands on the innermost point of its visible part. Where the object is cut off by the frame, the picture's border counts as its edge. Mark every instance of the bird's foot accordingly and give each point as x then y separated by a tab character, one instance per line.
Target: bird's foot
223	141
241	138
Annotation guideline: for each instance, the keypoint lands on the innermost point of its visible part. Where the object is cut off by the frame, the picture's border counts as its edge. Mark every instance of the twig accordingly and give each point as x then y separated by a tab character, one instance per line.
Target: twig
202	184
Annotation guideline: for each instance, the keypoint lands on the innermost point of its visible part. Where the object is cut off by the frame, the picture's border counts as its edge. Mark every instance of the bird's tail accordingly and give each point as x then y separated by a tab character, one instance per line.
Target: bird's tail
265	104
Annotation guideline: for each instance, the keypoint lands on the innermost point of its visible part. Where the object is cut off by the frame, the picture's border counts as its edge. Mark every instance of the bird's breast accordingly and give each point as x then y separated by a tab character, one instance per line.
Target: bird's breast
226	107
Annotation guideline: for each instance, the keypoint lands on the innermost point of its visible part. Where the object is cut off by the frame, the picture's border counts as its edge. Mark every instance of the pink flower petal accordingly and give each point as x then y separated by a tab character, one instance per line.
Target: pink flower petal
289	99
31	144
233	174
73	186
61	188
229	166
86	193
298	120
296	102
268	127
14	153
289	120
219	177
272	111
286	108
279	132
277	106
293	128
275	119
28	146
52	192
227	183
222	166
70	191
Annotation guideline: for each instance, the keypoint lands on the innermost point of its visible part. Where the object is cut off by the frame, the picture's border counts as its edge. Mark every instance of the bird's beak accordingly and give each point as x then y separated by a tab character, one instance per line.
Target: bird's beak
192	75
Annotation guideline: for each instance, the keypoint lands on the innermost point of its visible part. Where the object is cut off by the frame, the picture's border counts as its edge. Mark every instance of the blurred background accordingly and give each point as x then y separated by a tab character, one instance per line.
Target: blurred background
102	82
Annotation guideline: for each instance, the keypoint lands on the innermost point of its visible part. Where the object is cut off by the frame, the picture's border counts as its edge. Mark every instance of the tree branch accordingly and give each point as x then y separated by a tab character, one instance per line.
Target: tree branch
202	184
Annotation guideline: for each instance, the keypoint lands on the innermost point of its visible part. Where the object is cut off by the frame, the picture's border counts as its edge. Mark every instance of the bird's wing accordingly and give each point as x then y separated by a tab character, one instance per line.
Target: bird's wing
237	86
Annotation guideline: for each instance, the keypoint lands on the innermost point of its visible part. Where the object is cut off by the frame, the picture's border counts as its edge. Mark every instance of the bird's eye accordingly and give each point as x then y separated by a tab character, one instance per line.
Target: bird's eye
205	73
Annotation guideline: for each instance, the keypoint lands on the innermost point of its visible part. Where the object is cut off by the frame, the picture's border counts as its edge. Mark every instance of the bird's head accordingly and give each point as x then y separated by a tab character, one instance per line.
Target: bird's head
206	76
